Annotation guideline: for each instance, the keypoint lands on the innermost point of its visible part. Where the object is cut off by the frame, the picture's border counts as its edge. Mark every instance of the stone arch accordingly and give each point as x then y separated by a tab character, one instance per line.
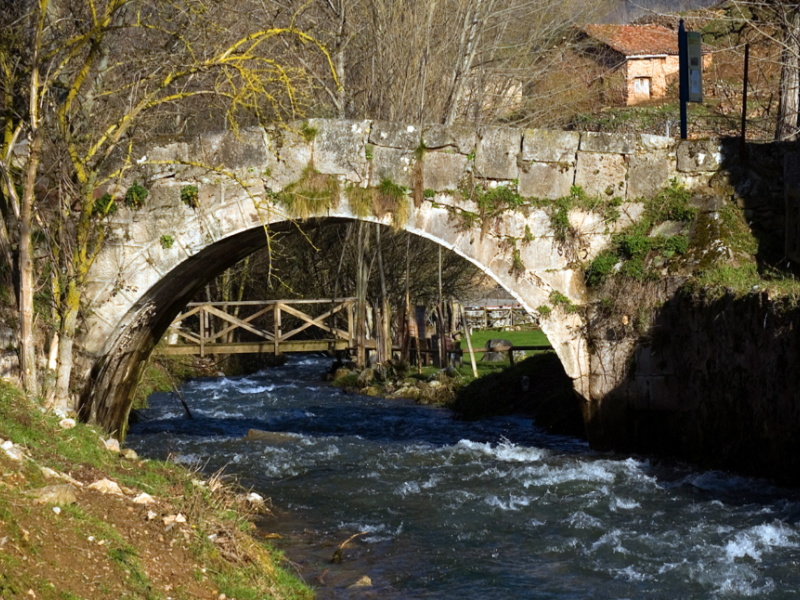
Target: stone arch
137	284
131	315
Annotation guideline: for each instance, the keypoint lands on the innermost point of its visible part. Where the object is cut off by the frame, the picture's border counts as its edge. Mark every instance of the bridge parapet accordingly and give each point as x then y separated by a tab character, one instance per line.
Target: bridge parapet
156	257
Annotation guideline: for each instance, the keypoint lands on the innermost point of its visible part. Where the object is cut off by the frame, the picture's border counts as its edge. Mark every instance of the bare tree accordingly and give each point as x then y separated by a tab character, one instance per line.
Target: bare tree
431	61
91	79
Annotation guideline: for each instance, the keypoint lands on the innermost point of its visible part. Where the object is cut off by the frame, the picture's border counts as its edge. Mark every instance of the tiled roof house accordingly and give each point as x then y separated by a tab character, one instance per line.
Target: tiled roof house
650	55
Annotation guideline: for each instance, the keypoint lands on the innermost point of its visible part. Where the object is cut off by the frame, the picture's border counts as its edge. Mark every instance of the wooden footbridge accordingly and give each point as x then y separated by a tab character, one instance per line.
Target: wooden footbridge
224	328
273	327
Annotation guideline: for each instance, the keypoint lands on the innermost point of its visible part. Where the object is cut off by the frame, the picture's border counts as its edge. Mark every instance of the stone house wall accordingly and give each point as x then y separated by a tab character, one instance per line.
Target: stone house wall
661	70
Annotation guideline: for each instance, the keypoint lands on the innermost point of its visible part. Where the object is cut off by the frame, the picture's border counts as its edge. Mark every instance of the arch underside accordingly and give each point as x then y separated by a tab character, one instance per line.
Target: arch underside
151	286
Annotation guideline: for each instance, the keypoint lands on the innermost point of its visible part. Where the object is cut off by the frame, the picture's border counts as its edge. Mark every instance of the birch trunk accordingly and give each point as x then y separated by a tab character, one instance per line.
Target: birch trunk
27	348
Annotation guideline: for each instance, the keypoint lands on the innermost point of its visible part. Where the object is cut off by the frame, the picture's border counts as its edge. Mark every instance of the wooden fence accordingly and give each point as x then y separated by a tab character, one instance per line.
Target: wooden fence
265	325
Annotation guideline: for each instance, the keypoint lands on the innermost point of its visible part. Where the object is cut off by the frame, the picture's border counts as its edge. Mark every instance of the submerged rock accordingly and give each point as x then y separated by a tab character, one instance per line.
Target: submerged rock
272	437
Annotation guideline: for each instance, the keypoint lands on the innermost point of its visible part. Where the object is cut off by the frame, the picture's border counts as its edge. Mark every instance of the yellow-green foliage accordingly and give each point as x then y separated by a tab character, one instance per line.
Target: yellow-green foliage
361	200
388	197
314	194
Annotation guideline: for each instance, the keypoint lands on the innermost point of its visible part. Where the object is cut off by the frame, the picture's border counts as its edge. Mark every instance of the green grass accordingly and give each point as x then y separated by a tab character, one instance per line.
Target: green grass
533	337
81	450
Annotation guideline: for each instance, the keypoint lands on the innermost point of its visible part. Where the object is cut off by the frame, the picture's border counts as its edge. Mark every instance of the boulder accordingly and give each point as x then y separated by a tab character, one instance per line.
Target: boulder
272	437
59	495
340	373
365	378
106	486
496	350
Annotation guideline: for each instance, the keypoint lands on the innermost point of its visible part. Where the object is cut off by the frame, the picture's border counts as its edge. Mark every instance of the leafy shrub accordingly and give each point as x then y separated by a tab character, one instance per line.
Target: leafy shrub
134	197
428	193
636	245
104	205
559	299
309	132
190	196
167	241
601	268
676	244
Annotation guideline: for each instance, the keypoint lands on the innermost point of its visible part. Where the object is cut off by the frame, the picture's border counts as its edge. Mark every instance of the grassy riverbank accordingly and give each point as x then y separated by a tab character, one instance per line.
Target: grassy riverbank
191	539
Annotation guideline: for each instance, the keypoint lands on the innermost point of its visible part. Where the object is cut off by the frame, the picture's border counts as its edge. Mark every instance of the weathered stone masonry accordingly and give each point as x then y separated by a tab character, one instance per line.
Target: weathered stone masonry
137	286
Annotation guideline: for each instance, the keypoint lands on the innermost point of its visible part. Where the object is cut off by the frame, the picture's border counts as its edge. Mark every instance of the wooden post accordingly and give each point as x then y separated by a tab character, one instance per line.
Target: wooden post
202	331
742	142
469	342
511	355
276	312
350	331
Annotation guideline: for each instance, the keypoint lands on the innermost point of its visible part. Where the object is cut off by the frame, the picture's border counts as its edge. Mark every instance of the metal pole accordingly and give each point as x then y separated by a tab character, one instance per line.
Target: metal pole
683	65
742	144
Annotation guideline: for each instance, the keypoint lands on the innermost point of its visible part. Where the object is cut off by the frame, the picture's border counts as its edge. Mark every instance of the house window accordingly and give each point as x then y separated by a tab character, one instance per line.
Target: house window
641	87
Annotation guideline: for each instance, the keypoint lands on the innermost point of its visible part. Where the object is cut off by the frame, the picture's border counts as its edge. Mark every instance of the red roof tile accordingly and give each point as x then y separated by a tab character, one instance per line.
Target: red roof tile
633	40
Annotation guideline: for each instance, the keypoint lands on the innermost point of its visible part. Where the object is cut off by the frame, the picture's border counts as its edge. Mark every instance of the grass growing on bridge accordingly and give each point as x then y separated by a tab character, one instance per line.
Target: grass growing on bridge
104	546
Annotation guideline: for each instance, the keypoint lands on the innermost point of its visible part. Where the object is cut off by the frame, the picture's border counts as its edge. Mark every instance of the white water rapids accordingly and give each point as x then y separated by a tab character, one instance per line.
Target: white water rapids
457	510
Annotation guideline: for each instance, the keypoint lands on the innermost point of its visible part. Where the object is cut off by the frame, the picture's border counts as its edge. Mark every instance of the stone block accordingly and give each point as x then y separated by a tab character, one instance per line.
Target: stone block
608	143
463	138
288	157
456	201
443	171
649	142
601	174
171	151
165	193
234	152
339	148
496	156
668	229
649	173
543	180
543	145
393	164
696	156
395	135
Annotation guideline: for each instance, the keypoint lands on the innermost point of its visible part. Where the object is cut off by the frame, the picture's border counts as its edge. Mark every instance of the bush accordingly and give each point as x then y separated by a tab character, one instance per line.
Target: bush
134	197
190	196
104	206
601	268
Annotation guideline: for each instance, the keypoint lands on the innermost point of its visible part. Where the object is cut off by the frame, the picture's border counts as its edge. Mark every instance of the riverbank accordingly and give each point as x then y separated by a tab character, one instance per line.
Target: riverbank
80	519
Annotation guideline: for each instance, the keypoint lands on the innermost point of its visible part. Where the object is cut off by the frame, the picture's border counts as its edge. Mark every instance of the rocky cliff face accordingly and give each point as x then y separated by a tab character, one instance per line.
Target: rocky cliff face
714	382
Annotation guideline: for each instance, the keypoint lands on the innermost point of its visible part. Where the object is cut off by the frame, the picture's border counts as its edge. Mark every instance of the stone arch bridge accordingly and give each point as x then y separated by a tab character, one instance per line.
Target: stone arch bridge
137	285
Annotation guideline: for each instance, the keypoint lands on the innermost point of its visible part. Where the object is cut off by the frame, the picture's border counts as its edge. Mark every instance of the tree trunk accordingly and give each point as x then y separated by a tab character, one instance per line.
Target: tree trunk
789	105
385	327
27	348
361	294
69	319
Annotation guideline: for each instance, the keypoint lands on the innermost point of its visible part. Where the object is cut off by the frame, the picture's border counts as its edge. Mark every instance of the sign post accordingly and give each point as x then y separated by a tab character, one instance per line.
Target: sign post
690	63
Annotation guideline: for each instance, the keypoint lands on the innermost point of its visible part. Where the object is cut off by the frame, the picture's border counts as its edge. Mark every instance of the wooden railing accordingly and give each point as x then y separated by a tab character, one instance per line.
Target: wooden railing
494	317
204	338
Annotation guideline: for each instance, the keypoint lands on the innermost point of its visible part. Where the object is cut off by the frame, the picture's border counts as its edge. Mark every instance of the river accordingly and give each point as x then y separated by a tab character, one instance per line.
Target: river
460	510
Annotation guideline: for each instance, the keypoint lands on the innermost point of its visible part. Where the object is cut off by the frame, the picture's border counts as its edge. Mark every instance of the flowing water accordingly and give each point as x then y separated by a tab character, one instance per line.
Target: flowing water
458	510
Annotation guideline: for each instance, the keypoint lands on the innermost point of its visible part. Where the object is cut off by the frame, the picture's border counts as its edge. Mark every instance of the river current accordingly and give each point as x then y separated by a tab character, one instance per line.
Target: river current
449	509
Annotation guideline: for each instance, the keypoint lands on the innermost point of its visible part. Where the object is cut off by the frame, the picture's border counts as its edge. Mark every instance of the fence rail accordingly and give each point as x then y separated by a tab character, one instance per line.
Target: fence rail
219	323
